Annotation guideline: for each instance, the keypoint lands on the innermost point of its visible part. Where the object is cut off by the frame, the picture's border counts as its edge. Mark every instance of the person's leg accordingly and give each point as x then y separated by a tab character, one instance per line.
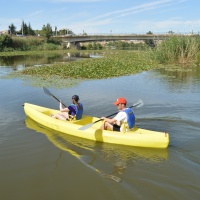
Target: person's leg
62	116
116	128
107	126
65	115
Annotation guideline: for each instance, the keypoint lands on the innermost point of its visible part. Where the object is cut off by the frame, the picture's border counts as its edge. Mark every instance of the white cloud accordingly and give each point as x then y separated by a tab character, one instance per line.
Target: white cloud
168	25
139	8
36	13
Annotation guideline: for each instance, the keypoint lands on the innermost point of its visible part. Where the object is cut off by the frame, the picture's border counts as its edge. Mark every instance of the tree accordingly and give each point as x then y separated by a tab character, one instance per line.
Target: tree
30	30
47	31
22	28
26	30
5	42
170	32
55	30
150	42
12	29
62	31
149	33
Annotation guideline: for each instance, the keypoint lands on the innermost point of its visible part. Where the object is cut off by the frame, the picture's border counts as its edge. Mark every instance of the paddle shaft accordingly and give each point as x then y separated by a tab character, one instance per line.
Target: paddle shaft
113	114
58	100
139	103
46	91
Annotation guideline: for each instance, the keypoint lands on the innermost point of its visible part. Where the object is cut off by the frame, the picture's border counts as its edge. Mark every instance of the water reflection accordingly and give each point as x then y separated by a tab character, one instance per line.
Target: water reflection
9	64
110	161
180	79
43	58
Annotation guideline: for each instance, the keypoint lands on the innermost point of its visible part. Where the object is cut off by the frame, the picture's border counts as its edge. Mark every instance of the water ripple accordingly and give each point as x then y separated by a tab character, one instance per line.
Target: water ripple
170	119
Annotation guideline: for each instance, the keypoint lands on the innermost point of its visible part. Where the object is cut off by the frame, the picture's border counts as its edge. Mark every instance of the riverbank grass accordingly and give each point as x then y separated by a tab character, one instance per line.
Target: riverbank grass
180	50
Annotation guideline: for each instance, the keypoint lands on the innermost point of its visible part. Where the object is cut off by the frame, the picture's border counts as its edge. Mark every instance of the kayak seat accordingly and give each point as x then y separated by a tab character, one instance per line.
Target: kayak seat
84	120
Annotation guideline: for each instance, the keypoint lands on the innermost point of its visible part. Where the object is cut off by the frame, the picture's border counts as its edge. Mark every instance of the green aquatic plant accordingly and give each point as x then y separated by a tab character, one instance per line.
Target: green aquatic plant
113	64
52	81
177	50
66	74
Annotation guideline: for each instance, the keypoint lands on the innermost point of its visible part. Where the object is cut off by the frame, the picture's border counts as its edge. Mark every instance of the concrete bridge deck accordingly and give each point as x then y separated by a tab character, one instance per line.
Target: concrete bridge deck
75	39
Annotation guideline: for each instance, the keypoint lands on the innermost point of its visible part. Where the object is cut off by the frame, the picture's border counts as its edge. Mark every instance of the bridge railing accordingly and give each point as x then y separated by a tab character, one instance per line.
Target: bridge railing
130	34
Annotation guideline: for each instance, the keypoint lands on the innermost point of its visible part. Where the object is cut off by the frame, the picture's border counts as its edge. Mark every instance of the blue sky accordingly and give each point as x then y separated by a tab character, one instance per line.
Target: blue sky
104	16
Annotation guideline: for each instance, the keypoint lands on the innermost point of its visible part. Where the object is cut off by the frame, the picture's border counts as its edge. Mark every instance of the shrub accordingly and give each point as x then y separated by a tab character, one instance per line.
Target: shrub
5	42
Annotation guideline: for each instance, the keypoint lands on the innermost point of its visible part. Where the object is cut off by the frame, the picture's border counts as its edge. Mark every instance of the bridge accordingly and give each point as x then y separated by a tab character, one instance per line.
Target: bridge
76	39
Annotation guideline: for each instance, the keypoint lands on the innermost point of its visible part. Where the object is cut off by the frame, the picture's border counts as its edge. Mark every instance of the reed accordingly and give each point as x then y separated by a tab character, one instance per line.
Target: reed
177	50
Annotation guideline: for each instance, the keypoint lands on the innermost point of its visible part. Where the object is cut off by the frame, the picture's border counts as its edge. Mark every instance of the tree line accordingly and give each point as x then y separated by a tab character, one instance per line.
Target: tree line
46	31
47	42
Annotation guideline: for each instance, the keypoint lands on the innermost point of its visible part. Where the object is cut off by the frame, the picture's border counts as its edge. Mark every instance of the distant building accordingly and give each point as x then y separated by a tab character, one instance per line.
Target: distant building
5	32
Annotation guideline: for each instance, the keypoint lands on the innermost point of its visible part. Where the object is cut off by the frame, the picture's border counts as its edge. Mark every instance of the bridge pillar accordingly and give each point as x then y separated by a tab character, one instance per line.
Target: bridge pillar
73	45
68	45
78	46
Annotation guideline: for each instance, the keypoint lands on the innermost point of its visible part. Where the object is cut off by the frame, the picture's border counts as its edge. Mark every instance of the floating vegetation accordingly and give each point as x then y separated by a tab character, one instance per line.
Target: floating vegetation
53	81
41	52
67	74
113	64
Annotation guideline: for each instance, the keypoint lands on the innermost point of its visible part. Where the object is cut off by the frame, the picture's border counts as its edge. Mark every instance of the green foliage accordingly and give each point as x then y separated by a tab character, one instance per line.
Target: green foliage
48	46
12	29
26	44
8	49
55	41
92	46
26	30
149	33
151	43
47	31
117	63
119	45
177	49
5	42
198	58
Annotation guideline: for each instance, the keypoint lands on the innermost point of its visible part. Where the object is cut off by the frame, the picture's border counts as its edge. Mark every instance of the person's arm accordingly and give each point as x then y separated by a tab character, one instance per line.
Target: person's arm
117	119
111	121
63	109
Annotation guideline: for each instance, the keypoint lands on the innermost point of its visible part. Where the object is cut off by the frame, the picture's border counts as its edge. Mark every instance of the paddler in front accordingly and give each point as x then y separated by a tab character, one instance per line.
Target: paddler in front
73	111
123	121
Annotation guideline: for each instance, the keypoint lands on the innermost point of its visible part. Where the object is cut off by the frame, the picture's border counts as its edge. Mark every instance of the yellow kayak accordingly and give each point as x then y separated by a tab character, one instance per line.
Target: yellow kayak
87	151
135	137
70	143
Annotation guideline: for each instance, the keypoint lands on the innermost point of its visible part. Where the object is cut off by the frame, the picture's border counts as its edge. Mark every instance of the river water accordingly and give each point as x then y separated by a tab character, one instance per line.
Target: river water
37	163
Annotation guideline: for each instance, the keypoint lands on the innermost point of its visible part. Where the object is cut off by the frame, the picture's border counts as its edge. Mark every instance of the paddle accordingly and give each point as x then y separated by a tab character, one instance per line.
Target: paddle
137	105
46	91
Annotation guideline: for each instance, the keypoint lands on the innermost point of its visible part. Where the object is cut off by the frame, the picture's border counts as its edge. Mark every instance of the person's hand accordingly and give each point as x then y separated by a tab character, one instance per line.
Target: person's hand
103	118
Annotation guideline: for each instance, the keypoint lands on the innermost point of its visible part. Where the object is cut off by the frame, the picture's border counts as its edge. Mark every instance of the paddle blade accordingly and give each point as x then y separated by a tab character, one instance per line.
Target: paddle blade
138	104
86	126
46	91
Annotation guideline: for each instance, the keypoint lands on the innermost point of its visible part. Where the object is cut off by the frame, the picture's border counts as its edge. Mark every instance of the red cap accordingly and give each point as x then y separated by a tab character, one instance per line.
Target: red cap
120	100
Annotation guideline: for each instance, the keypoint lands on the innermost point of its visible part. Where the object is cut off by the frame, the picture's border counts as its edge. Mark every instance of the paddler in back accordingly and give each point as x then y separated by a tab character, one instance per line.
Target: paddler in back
123	121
